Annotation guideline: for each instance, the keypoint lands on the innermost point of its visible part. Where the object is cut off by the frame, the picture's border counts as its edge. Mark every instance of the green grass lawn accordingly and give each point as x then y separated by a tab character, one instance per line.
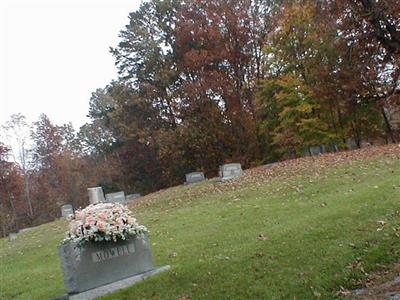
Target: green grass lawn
298	231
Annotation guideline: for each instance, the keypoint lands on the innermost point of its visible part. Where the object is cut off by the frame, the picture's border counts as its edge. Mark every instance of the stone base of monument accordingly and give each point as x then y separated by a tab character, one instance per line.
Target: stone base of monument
113	287
90	268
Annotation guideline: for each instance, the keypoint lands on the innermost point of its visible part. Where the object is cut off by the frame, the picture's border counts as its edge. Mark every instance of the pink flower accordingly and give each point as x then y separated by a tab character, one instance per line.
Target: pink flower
79	215
90	221
102	216
101	226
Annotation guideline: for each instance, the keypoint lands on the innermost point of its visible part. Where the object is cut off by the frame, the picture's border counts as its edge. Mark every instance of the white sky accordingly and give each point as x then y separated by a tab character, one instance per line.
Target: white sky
55	53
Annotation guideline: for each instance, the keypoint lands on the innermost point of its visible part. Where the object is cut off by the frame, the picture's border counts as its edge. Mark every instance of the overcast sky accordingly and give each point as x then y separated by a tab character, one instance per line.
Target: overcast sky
55	53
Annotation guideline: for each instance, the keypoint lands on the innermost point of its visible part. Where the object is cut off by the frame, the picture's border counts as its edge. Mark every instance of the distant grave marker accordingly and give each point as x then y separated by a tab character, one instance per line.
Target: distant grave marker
195	177
12	236
351	143
66	210
315	150
230	171
96	195
132	197
116	197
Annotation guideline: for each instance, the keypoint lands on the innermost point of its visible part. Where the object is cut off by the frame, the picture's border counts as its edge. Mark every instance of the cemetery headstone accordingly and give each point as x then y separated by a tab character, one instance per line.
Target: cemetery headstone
195	177
230	171
12	236
132	197
315	150
116	197
66	210
97	264
96	195
323	148
351	143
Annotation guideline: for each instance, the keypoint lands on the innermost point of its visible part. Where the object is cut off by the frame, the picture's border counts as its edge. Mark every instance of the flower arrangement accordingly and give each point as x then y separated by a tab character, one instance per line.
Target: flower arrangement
103	222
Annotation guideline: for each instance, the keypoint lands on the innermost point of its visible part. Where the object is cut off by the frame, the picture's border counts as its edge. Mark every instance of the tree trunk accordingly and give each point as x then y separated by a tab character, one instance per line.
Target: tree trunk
388	127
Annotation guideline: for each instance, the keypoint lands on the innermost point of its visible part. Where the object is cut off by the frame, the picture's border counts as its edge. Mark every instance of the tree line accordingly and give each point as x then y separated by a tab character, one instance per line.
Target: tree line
203	82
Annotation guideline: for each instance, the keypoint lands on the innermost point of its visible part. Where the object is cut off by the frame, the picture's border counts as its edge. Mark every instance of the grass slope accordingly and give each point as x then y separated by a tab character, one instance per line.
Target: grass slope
302	229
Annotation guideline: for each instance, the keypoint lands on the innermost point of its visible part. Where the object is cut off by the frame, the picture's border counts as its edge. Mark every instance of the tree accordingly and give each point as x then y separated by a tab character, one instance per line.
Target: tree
17	132
11	192
371	30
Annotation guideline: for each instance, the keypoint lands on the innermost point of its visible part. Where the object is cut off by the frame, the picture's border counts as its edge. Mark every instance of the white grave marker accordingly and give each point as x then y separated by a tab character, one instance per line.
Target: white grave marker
66	210
96	195
230	171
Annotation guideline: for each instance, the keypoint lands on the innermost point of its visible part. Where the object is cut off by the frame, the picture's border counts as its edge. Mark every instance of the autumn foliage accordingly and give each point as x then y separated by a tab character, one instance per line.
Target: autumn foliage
204	82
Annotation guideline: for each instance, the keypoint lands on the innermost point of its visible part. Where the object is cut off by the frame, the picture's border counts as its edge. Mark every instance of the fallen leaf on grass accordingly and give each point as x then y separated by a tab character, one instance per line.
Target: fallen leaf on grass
262	237
260	254
343	292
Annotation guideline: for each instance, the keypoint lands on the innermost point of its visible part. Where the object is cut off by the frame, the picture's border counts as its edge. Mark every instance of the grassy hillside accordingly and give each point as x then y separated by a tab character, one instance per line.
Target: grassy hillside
302	229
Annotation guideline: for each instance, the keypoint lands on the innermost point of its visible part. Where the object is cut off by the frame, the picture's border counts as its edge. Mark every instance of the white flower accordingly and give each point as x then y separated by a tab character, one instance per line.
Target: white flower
103	222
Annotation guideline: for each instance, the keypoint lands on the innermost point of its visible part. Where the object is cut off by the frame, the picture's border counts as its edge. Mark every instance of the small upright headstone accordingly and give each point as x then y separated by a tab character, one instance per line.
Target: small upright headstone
132	197
96	195
195	177
230	171
116	197
322	148
66	210
315	150
12	236
351	143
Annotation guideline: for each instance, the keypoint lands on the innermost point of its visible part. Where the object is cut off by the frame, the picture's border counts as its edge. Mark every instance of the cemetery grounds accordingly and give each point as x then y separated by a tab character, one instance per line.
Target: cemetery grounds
311	228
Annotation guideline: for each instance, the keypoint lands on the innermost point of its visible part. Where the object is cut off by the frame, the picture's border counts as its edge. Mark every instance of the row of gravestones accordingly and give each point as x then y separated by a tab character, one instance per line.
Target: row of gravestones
96	195
226	172
321	149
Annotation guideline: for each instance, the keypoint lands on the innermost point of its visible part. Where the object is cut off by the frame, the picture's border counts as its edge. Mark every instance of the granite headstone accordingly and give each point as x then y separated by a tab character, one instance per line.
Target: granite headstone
118	197
12	236
195	177
96	195
230	171
66	210
132	197
315	150
96	264
351	143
